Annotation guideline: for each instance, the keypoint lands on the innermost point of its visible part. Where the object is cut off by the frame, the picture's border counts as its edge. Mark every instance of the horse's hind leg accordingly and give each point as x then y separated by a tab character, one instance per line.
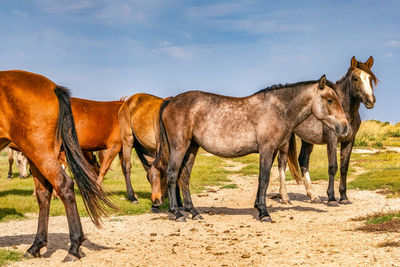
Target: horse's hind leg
127	171
282	162
176	157
43	194
53	172
184	178
304	162
109	156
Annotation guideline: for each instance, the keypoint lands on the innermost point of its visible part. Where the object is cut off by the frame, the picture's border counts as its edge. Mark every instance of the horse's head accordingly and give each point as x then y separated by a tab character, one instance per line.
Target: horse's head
362	80
158	186
326	107
22	164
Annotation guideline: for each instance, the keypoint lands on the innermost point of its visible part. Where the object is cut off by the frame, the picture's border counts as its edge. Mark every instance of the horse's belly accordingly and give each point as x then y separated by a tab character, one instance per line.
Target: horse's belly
229	146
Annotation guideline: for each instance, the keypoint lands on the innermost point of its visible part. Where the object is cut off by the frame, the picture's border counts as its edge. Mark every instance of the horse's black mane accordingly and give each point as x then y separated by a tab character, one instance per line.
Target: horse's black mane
289	85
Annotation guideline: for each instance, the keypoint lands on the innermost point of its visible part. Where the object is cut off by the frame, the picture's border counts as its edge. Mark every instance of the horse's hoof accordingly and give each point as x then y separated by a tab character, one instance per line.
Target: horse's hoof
155	209
198	217
315	200
332	203
180	219
286	202
266	219
28	255
70	258
135	201
345	202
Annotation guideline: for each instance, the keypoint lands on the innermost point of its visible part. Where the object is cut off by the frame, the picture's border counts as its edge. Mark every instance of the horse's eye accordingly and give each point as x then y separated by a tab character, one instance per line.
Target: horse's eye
355	79
330	101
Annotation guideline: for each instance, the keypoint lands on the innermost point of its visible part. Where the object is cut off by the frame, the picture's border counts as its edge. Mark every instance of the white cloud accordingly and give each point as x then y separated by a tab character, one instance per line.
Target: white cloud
393	43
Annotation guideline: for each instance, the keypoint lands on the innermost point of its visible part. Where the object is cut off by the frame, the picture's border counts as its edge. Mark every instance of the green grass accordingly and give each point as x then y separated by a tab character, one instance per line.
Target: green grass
382	218
8	256
16	195
229	186
378	134
383	172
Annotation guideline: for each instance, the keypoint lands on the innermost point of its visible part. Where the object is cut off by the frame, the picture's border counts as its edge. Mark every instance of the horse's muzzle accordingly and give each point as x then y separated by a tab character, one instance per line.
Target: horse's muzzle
369	102
341	129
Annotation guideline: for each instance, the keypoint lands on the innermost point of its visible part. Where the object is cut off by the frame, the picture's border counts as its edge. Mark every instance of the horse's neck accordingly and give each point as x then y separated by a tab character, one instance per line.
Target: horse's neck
350	104
298	107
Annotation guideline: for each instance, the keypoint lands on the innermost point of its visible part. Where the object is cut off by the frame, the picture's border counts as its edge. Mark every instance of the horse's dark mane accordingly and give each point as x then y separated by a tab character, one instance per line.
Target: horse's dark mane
289	85
362	66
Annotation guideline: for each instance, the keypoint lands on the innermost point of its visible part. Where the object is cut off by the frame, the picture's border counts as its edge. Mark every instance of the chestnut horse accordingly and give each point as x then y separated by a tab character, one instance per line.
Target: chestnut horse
36	115
138	120
354	88
234	127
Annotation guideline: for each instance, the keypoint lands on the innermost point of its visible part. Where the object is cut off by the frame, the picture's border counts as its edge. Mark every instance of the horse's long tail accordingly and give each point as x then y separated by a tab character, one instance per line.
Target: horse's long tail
141	152
163	146
93	196
292	159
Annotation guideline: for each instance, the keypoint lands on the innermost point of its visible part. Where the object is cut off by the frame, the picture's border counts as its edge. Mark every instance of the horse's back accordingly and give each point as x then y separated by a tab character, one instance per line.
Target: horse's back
219	124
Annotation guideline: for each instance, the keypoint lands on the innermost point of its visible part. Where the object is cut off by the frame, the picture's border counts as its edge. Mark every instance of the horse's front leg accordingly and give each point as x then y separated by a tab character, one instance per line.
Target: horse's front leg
345	153
266	159
332	158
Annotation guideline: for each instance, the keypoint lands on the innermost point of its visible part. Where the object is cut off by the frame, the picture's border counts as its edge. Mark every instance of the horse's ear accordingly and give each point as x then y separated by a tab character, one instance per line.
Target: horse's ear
322	82
353	63
370	62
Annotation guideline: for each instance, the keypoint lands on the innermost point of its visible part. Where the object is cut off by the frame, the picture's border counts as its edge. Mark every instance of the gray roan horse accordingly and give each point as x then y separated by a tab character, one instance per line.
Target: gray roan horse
234	127
355	87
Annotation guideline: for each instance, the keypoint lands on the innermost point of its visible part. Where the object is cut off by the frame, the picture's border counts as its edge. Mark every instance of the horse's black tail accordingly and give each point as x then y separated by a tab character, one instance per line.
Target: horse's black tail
93	196
292	159
163	146
141	152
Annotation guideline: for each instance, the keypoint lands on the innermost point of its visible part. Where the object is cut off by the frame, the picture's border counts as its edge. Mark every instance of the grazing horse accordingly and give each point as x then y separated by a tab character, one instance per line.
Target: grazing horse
138	120
36	116
20	160
355	87
234	127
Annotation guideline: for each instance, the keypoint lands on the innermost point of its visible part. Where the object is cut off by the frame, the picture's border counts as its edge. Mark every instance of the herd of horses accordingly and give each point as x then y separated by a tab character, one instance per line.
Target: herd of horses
52	129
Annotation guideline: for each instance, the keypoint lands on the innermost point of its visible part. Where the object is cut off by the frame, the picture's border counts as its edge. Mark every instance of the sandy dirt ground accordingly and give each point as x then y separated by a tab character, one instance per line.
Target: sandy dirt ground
230	235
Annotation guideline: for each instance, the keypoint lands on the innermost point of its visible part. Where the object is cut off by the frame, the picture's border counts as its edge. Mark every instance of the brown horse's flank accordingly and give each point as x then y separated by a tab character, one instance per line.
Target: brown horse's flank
36	116
233	127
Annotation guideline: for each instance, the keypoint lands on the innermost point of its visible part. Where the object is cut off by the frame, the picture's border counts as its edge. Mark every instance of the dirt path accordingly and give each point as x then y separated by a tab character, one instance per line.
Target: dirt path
230	235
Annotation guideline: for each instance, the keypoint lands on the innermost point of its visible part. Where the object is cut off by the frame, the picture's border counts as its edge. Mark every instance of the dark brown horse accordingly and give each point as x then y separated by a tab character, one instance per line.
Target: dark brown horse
354	88
36	115
138	119
234	127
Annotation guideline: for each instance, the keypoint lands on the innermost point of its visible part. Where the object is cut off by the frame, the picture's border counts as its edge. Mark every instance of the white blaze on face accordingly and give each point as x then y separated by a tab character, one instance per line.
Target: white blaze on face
365	78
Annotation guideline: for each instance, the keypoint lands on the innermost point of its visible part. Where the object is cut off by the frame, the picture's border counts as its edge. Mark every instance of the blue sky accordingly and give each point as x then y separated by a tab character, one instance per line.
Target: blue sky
104	49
